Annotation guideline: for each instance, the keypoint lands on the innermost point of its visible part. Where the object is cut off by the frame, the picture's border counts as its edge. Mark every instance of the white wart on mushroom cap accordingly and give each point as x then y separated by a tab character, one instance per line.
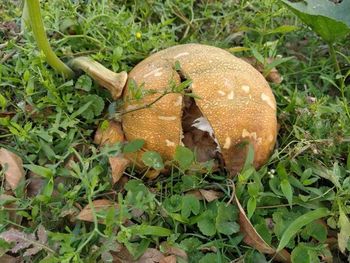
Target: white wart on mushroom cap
234	98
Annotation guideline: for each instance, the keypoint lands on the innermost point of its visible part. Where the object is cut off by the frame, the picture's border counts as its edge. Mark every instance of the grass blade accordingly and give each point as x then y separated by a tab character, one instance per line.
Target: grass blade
299	223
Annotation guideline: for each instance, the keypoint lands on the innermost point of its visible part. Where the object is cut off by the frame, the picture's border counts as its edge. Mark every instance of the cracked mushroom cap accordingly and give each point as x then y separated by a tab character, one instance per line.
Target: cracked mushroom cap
233	97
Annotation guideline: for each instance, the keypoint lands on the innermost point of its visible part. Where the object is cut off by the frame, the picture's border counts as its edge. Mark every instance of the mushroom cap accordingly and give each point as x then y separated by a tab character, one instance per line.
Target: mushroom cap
232	95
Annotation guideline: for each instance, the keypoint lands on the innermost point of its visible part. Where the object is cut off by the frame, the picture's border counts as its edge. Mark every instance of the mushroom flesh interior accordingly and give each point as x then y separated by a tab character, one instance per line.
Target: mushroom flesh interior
198	135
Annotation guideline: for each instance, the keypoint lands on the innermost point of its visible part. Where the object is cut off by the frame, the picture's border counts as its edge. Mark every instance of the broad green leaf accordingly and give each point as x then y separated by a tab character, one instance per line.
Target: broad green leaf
153	159
300	254
190	204
226	219
207	226
317	231
39	170
287	191
329	20
348	161
84	82
184	157
133	146
299	223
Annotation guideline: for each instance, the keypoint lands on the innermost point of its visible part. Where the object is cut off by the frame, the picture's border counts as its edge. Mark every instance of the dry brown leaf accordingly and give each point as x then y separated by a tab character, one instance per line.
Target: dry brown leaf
168	259
29	242
273	75
99	205
10	205
9	259
172	250
13	166
252	237
151	255
118	165
210	195
196	194
111	134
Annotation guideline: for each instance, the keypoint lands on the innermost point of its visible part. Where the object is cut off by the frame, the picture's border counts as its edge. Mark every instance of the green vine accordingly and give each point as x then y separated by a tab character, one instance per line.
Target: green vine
33	9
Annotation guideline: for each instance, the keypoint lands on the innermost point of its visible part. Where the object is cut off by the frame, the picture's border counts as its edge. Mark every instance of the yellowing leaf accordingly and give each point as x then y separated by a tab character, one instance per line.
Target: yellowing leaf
13	166
344	235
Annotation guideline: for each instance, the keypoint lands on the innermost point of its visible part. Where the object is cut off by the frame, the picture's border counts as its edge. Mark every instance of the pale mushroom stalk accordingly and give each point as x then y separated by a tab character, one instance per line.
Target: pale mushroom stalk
114	82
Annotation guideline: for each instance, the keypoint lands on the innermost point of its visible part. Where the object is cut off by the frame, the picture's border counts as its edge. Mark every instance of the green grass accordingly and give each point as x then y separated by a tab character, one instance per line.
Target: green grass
48	121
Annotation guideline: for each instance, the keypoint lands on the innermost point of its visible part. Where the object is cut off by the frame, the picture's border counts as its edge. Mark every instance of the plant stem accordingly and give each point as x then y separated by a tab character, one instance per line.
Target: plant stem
334	57
33	9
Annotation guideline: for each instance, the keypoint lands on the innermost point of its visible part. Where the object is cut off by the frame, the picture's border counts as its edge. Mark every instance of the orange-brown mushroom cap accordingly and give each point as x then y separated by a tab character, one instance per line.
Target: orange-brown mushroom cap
233	96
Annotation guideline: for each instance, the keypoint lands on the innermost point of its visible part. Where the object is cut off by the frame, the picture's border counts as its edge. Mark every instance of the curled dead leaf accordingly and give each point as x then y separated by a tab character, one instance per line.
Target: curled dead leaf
118	165
98	206
168	259
174	251
13	166
151	255
252	237
210	195
109	134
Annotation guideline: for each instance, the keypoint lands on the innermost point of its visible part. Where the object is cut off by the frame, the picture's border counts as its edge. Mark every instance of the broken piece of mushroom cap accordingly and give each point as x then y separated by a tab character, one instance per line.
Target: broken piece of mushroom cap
232	95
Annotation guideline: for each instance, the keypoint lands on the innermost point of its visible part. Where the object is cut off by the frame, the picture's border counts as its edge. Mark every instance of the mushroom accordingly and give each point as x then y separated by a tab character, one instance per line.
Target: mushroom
233	107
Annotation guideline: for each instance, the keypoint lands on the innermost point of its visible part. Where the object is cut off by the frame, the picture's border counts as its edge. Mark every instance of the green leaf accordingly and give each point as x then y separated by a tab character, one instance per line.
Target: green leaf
146	230
287	191
329	20
133	146
282	29
39	170
153	159
3	102
300	254
251	205
184	157
348	162
84	82
257	55
300	222
317	231
190	204
94	109
226	219
206	223
210	258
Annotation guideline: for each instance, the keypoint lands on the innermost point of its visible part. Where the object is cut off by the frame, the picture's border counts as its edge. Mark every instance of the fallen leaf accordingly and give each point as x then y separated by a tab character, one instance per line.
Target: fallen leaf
252	237
8	202
118	165
9	259
99	205
151	255
110	132
175	251
22	240
35	184
210	195
168	259
13	166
